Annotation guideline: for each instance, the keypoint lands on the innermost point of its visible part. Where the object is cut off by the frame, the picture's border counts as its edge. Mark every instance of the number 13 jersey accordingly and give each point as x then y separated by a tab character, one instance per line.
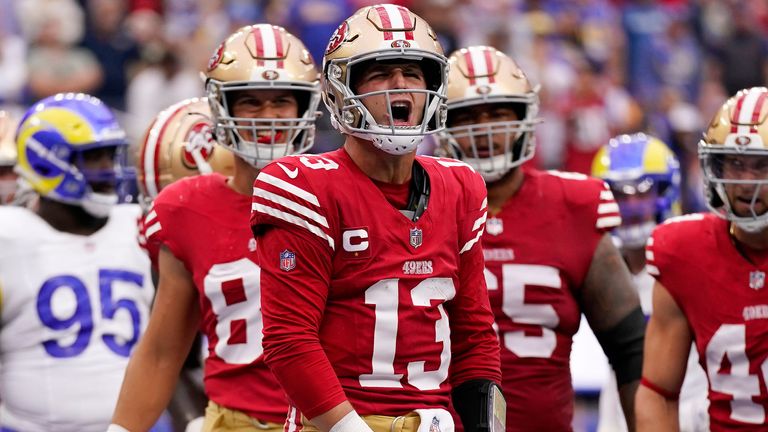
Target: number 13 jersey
538	250
357	294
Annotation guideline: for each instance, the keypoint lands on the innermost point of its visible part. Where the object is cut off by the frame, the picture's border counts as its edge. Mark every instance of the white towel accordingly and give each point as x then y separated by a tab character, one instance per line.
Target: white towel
435	420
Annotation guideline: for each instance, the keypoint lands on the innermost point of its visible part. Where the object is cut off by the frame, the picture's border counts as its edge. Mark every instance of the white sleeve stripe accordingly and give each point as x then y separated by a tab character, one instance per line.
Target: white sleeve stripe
649	242
606	195
153	229
484	204
150	217
608	221
284	185
292	205
480	221
652	269
294	220
649	255
471	243
607	208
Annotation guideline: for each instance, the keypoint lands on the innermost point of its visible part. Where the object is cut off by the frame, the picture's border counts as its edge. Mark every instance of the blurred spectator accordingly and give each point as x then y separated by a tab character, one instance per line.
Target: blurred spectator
643	22
107	37
13	68
686	125
677	58
314	21
743	56
55	65
162	83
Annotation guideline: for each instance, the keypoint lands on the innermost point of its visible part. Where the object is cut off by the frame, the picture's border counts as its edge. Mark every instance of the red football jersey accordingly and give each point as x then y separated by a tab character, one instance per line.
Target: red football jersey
538	250
725	300
205	224
357	298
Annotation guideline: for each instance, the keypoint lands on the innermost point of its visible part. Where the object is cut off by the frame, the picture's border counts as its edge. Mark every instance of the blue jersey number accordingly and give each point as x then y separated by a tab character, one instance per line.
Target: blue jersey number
83	313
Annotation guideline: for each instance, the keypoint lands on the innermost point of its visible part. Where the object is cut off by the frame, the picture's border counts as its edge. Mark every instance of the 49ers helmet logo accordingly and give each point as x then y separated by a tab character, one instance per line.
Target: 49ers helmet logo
216	57
337	38
199	140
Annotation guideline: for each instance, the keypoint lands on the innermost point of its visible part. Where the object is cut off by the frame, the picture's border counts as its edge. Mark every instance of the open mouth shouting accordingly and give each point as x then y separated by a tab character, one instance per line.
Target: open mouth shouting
401	113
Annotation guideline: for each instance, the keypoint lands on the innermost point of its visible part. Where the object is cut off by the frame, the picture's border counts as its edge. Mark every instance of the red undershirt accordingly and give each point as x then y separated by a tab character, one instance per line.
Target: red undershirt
396	194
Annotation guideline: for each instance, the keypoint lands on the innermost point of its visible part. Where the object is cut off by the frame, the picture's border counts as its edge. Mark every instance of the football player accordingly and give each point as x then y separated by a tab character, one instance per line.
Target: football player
371	266
7	158
548	251
262	88
74	284
710	280
644	176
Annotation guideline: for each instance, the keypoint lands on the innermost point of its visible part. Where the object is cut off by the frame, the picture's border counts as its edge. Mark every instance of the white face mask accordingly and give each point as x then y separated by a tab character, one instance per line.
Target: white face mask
99	205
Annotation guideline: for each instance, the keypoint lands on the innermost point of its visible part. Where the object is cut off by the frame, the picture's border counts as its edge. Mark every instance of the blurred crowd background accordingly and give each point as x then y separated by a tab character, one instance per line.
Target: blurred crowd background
605	66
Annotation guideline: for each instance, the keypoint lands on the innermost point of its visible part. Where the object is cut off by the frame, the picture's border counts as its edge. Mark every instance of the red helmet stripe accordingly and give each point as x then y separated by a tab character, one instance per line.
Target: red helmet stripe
385	21
153	144
470	66
256	31
489	66
406	21
757	110
278	47
736	113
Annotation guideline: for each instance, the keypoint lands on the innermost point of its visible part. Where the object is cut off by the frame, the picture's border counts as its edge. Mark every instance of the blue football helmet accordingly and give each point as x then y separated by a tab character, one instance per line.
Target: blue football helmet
52	138
644	176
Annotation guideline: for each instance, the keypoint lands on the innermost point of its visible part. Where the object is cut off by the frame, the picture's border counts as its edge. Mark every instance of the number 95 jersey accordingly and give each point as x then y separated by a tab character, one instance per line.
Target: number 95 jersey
73	308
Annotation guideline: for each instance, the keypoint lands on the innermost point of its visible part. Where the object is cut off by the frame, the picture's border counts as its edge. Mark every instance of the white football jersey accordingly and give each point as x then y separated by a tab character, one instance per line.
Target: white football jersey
72	307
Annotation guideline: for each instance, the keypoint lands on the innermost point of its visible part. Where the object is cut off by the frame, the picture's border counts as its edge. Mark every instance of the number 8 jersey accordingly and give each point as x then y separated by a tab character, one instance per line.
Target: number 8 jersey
204	223
725	300
73	307
360	302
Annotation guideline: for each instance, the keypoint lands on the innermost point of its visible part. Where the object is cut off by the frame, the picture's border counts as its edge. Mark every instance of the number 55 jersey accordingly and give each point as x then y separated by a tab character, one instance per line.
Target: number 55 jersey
538	249
358	294
725	300
73	308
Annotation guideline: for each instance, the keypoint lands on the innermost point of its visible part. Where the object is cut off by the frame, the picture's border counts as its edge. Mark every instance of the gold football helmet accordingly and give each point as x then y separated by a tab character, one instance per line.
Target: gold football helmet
263	57
383	33
179	143
734	151
483	75
8	154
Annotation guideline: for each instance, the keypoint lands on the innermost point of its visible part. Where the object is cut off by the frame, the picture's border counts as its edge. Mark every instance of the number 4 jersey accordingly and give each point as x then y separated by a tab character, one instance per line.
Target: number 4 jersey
395	303
725	301
73	307
204	223
538	249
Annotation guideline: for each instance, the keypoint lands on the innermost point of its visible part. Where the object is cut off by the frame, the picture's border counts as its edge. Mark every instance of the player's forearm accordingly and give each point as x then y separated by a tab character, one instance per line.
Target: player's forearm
654	413
147	389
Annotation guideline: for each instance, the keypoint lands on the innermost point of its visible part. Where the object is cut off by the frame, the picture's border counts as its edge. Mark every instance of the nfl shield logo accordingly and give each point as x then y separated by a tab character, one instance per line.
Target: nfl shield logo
756	280
435	426
494	226
287	260
416	237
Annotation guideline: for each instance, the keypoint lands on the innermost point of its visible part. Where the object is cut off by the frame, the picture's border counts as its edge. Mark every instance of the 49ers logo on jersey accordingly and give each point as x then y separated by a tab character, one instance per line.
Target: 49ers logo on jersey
198	145
337	38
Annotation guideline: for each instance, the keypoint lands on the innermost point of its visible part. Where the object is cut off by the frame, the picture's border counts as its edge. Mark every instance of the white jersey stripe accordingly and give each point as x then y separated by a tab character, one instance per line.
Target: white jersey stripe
292	420
480	221
153	229
472	242
294	220
606	195
745	115
652	269
292	205
284	185
604	208
649	255
608	221
150	216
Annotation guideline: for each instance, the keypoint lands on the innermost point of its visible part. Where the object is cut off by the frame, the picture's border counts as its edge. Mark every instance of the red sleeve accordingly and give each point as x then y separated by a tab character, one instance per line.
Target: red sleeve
295	276
475	346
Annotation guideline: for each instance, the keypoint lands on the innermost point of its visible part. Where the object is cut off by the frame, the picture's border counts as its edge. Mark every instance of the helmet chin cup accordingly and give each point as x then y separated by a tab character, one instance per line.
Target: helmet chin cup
99	205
